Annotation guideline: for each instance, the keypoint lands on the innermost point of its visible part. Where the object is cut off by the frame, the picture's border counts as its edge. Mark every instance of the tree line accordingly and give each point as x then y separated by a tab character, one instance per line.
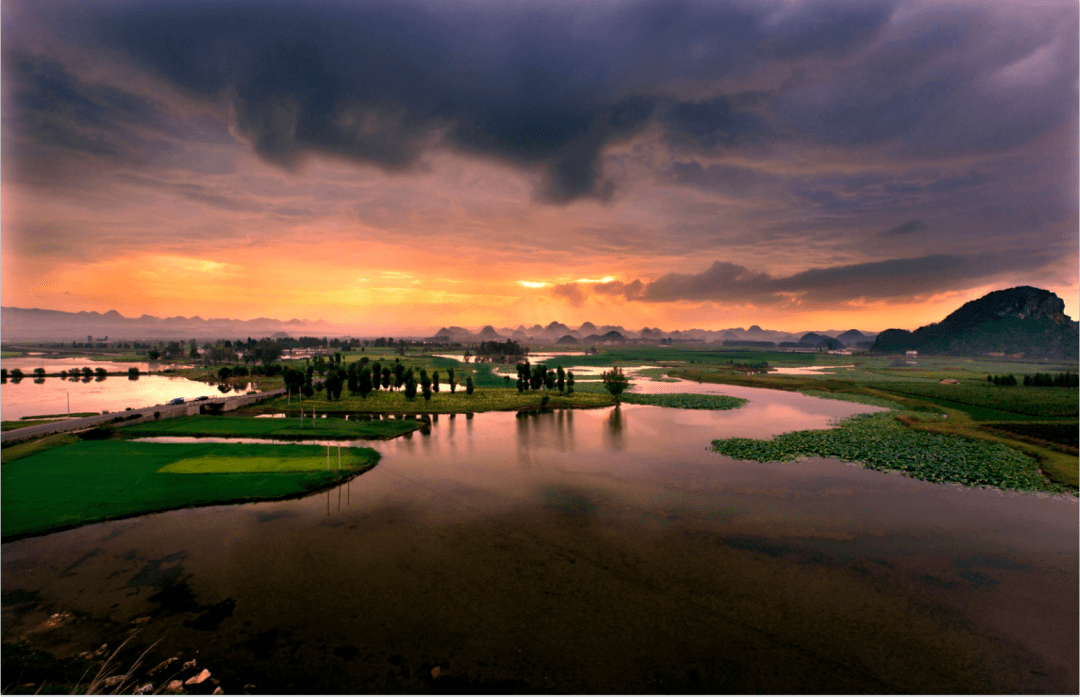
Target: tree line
1066	379
536	377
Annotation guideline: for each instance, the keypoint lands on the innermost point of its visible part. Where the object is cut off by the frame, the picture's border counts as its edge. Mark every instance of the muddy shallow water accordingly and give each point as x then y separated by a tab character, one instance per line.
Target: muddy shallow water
585	551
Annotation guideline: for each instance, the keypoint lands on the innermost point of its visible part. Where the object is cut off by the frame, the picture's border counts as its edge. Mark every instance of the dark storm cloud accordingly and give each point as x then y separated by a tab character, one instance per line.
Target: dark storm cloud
878	280
951	78
544	87
548	87
54	119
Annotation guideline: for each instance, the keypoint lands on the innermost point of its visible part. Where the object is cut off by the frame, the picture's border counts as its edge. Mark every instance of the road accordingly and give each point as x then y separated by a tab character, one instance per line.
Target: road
165	411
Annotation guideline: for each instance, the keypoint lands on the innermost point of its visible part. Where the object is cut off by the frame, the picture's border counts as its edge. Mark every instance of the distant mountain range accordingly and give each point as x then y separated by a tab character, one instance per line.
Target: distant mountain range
24	324
19	323
1022	321
588	334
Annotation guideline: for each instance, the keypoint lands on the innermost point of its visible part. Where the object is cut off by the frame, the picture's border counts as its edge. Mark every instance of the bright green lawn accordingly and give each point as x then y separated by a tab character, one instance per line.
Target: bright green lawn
289	428
91	481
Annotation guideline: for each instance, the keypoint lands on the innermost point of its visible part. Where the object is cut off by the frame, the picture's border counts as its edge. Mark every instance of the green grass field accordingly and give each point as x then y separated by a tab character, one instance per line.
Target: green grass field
1030	401
288	428
90	481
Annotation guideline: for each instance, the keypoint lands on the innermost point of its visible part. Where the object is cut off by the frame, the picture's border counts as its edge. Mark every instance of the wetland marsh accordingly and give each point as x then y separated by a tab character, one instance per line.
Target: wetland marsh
582	550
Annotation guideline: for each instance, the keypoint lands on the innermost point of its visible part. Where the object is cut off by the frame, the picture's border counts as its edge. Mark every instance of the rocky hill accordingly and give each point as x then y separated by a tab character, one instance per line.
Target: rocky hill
1022	320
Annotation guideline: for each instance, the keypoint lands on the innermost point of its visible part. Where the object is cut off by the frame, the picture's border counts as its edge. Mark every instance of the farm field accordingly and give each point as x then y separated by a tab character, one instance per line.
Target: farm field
87	481
1030	401
288	428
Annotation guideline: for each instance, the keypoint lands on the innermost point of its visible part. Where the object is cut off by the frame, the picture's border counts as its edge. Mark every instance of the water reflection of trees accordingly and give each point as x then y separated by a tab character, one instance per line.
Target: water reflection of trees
613	436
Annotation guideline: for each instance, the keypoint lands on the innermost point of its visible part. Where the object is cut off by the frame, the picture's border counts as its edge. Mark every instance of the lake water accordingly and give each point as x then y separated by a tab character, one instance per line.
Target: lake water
115	393
585	551
28	363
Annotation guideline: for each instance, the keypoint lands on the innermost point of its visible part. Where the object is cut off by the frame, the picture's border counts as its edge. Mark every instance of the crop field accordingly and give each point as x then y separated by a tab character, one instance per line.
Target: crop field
89	481
685	401
880	441
288	428
1060	433
1033	401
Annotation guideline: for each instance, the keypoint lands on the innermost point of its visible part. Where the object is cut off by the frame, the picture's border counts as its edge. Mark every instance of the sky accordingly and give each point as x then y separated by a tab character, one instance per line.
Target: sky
409	165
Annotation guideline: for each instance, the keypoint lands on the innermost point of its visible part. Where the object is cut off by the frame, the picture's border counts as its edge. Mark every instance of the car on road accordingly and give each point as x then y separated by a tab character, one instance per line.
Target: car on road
178	400
201	399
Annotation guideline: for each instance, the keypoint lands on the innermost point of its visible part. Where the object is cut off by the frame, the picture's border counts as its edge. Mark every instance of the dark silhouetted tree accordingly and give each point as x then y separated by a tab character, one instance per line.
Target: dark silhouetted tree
615	382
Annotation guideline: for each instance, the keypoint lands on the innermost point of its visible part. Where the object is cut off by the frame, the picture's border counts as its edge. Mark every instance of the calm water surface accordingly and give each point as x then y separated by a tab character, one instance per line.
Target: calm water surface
30	397
586	551
115	393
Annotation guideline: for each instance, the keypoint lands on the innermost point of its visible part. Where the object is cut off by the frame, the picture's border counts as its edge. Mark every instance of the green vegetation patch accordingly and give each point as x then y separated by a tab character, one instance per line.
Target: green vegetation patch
215	464
91	481
1032	401
866	399
290	428
685	401
879	441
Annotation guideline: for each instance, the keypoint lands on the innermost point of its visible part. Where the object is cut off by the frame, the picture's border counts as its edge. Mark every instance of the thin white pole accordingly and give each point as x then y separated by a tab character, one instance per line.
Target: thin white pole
339	457
328	457
69	403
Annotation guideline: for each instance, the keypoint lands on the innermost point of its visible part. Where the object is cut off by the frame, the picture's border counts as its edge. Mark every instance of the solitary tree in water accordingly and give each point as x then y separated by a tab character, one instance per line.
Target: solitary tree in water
615	382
